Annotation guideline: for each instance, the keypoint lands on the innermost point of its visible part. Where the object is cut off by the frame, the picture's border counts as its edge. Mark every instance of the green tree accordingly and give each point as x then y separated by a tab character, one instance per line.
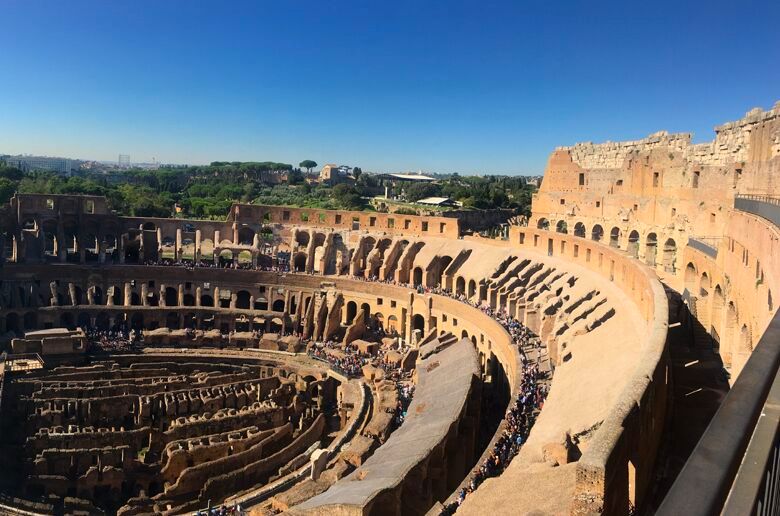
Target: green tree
7	189
417	191
308	165
356	172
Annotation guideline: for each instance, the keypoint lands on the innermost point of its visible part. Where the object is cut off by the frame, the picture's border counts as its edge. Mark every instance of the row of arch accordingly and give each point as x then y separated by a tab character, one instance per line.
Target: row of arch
632	246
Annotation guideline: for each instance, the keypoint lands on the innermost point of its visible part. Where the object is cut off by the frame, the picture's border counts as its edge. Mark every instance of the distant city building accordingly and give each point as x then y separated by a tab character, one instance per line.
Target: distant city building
443	202
124	161
30	163
334	174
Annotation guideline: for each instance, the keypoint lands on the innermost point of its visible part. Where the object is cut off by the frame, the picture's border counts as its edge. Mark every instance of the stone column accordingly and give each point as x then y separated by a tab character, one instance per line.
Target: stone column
233	298
197	245
162	295
178	250
180	296
121	243
144	294
127	294
235	233
197	296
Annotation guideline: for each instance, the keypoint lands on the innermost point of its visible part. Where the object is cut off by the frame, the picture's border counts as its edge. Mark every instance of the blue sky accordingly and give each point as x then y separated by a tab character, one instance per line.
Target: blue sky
472	87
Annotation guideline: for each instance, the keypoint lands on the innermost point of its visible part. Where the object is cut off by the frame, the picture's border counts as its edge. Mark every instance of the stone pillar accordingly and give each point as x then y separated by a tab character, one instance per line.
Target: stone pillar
101	252
127	294
217	237
178	249
180	296
144	294
235	233
72	294
122	242
162	295
197	245
233	298
197	296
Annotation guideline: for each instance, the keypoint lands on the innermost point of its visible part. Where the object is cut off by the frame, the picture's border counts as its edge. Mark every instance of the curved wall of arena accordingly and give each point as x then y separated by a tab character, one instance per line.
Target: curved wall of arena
675	206
601	313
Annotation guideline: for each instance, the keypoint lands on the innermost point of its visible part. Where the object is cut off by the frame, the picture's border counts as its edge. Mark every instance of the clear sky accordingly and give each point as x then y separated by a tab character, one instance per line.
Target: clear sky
472	87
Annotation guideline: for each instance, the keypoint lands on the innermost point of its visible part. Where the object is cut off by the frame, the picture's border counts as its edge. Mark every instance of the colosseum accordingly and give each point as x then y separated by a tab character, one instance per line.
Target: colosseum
616	354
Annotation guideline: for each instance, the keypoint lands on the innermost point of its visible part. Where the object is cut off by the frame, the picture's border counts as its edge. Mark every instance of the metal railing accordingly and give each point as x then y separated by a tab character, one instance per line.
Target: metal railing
704	247
765	206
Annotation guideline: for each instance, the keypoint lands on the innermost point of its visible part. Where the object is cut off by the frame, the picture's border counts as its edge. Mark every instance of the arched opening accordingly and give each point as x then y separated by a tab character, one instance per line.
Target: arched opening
670	255
137	321
417	275
242	300
189	320
225	258
97	295
579	230
366	308
91	248
704	285
460	286
633	244
172	320
67	321
472	288
135	299
168	248
245	257
597	233
102	321
614	237
690	278
83	321
246	235
207	250
392	325
299	262
651	246
543	224
561	227
206	300
188	300
351	312
278	305
418	323
187	249
171	297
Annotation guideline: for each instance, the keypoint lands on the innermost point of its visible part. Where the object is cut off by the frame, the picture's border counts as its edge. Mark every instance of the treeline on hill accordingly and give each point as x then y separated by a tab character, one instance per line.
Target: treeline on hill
208	191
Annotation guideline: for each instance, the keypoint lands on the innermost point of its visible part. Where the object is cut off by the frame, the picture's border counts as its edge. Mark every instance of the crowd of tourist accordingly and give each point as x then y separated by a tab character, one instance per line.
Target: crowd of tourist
217	264
117	339
345	361
521	415
519	418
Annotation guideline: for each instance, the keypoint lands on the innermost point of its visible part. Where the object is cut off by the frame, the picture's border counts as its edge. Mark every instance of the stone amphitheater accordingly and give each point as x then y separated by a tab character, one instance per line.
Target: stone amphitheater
302	361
